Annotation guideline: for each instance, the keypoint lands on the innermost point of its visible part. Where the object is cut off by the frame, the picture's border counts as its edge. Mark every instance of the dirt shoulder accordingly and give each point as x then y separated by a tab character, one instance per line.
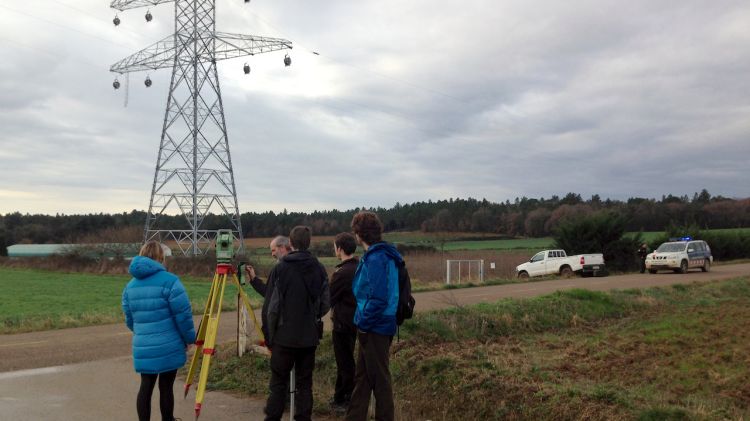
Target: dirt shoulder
69	346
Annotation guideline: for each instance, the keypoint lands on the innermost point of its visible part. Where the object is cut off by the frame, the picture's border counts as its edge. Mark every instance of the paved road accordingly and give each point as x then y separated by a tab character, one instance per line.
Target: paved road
86	373
103	390
440	299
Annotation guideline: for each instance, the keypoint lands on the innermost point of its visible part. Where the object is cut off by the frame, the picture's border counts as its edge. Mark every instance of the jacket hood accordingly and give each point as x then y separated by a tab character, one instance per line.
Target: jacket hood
300	257
354	260
142	267
309	267
386	248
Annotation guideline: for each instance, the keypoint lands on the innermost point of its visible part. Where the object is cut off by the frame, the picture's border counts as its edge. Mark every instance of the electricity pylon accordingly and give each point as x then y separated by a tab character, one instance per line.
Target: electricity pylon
194	167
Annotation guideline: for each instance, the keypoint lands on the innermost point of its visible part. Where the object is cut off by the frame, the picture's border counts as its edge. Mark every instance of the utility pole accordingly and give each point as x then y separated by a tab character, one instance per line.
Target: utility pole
194	167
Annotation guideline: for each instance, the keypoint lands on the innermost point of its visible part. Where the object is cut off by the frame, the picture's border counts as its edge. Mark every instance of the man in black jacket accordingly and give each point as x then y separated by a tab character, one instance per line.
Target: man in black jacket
642	253
297	297
280	247
344	333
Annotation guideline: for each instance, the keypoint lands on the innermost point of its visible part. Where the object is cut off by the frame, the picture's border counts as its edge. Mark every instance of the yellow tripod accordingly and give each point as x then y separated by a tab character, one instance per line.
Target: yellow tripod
206	341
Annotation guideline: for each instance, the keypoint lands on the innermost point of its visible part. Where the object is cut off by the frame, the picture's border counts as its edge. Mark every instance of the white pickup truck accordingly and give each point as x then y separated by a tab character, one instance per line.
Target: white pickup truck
551	262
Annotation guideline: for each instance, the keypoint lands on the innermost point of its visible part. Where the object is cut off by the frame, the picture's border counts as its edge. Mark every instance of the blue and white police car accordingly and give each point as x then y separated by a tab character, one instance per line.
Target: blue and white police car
680	255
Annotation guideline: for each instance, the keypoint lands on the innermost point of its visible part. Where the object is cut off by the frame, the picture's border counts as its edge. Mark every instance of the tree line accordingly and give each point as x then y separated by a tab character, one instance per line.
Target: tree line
526	217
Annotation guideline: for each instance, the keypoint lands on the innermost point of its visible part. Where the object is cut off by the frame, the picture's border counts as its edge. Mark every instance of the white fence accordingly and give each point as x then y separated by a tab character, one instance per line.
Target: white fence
457	271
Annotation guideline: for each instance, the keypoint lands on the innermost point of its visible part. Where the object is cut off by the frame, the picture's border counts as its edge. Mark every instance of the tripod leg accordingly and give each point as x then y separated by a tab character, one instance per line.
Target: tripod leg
200	339
212	325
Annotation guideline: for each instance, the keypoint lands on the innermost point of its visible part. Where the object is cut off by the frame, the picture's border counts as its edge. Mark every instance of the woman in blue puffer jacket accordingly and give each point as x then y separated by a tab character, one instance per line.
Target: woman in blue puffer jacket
157	310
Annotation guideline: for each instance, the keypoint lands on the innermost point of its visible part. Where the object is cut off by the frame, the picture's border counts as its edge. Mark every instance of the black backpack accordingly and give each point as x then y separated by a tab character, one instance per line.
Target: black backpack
406	301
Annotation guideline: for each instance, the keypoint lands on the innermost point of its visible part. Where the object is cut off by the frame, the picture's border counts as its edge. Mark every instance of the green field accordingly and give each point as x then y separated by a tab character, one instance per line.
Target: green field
515	244
652	235
419	236
40	300
455	241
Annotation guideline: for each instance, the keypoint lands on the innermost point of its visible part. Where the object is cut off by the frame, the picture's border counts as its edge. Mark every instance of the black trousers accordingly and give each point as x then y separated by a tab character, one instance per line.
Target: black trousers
283	359
643	265
166	395
372	375
343	349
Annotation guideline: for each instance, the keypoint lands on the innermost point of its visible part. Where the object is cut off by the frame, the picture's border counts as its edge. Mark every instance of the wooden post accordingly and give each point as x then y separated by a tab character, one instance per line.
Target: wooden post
241	326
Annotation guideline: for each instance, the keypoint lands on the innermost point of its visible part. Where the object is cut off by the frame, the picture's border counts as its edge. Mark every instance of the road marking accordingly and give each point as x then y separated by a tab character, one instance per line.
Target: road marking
23	344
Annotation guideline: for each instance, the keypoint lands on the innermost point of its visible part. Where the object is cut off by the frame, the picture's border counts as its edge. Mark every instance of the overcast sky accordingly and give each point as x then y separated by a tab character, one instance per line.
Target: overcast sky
406	101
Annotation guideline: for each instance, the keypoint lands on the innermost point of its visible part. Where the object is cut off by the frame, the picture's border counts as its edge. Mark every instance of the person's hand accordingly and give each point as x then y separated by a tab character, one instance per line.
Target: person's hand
250	271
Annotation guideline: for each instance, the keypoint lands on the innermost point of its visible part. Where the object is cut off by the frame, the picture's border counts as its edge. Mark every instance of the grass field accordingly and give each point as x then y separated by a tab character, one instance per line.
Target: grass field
45	299
258	247
455	241
652	235
42	300
673	353
419	236
515	244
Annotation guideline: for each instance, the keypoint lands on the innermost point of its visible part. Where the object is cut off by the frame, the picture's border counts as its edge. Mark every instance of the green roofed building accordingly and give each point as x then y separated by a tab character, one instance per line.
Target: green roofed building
37	250
91	250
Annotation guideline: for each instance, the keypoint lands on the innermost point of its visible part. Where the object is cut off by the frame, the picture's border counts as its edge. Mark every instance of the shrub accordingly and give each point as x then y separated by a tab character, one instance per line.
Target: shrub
415	248
600	233
322	249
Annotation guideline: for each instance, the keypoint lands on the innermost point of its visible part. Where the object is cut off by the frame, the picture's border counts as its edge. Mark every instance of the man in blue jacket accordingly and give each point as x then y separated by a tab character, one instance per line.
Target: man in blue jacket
375	288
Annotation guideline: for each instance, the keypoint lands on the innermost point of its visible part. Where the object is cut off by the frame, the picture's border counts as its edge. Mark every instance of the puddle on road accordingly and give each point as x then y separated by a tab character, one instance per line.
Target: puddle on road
33	372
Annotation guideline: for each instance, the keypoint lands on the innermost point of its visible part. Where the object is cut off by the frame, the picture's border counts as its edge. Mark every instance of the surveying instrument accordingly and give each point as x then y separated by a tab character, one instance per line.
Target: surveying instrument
205	343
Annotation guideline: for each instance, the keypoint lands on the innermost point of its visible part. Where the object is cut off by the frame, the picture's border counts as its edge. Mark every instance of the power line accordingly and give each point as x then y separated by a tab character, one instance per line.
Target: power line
504	110
98	18
334	60
41	50
510	116
63	26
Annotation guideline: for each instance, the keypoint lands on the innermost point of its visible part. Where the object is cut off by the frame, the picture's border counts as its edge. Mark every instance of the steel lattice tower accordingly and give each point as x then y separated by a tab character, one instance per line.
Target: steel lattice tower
194	167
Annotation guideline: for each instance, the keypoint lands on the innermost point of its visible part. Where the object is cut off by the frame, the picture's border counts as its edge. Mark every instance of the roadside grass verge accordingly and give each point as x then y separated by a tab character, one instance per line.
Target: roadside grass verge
43	300
675	352
438	286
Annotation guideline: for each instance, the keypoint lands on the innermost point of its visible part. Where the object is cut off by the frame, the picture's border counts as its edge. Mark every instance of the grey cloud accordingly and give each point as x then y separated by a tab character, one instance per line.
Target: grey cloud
432	100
